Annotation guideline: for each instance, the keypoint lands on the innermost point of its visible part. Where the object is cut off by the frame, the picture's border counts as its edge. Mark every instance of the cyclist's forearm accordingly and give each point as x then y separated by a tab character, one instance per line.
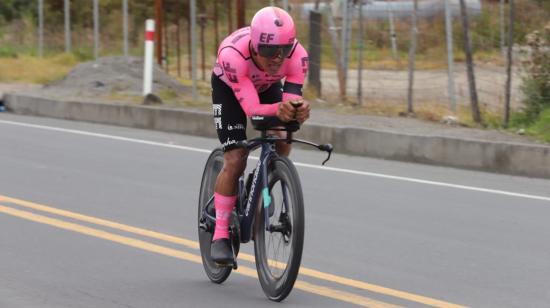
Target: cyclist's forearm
260	109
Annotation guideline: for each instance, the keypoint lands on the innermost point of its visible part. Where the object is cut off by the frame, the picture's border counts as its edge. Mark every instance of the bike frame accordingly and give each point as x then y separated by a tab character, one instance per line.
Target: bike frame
247	212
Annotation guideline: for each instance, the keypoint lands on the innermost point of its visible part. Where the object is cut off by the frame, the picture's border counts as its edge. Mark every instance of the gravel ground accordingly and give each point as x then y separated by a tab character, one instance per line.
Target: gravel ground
123	75
429	85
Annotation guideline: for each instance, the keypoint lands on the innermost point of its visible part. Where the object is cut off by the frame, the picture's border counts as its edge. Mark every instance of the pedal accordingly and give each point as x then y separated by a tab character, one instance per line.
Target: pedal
204	227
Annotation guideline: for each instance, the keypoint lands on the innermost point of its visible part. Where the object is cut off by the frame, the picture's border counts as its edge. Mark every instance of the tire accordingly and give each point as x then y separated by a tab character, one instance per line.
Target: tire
276	276
212	168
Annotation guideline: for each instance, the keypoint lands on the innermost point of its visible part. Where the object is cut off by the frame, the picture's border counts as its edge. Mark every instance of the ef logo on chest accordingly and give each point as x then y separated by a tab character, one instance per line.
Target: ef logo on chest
266	37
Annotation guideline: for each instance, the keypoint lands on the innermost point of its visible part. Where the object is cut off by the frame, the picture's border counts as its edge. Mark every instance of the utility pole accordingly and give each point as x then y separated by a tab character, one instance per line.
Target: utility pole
67	7
476	115
450	56
229	17
159	5
241	10
509	63
412	58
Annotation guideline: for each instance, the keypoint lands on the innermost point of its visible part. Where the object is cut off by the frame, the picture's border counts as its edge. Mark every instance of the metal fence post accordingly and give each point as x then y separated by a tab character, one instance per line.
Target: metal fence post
345	38
392	30
67	8
476	115
96	28
40	28
314	76
509	63
178	36
159	12
193	22
450	56
412	57
337	53
125	25
502	27
360	56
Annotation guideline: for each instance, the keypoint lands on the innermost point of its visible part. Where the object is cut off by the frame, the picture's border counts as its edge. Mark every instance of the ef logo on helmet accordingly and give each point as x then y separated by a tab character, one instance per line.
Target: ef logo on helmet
267	37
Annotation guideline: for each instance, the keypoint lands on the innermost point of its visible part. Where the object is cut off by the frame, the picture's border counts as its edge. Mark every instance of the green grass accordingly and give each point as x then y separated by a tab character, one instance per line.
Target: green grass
29	69
541	127
8	51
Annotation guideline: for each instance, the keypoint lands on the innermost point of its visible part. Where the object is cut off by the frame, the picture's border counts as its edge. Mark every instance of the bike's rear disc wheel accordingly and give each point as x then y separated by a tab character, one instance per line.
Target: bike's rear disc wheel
279	254
213	166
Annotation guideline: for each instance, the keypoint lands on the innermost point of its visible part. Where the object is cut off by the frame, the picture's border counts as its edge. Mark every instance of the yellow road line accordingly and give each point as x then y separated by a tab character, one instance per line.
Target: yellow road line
195	245
243	270
102	222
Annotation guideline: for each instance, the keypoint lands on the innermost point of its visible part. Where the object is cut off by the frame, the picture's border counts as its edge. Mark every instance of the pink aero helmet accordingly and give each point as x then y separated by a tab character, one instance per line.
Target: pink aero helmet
272	26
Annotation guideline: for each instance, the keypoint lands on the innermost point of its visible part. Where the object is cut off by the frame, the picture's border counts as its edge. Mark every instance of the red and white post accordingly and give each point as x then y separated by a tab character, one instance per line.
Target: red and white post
149	54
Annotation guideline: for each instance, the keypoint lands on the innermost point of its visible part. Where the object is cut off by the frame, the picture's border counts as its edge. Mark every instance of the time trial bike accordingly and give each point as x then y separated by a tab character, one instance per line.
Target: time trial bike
269	210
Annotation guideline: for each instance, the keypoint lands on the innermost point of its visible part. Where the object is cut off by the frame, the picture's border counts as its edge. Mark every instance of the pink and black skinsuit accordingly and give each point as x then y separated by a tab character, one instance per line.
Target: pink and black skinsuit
240	89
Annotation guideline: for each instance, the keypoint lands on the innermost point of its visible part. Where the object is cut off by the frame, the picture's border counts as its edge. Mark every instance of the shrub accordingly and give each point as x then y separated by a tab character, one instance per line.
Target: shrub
536	83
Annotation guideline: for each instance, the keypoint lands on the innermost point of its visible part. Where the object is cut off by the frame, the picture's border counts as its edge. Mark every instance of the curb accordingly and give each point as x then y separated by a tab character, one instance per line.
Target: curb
509	158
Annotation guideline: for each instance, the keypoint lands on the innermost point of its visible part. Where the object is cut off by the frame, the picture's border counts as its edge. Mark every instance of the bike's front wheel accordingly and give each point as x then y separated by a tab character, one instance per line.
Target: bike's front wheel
279	241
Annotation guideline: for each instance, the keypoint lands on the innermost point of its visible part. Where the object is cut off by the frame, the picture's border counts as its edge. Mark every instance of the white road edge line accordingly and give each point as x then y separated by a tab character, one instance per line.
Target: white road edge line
379	175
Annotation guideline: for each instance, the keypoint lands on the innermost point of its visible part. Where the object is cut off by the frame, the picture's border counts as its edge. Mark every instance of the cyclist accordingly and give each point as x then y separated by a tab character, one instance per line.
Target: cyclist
246	81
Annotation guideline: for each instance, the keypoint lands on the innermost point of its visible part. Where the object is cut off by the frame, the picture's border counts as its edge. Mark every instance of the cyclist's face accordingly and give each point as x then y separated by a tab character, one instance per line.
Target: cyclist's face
271	57
271	65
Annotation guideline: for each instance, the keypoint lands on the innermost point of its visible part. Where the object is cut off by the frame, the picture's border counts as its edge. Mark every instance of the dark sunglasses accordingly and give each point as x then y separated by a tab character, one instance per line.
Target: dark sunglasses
273	51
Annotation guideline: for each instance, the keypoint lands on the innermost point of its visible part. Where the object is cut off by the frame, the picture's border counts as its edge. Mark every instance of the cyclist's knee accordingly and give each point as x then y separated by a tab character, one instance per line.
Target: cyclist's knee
283	148
235	162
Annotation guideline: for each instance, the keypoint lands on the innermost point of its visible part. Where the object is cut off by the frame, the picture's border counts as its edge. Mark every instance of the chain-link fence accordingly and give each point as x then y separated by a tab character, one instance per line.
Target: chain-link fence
387	37
364	50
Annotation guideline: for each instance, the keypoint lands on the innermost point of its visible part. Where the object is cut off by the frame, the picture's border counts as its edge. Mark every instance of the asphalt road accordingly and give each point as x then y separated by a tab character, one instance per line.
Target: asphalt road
102	216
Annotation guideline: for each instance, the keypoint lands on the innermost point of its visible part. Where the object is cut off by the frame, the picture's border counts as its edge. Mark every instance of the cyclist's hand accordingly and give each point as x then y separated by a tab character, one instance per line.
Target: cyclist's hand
302	112
286	111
